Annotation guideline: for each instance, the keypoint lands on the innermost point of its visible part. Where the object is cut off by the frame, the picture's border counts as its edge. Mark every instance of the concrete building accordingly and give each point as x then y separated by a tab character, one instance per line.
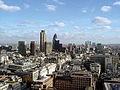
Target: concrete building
33	48
5	48
42	41
72	81
4	86
21	66
4	59
111	86
47	69
103	60
87	43
95	68
43	84
70	47
48	47
87	46
10	82
99	48
29	76
22	48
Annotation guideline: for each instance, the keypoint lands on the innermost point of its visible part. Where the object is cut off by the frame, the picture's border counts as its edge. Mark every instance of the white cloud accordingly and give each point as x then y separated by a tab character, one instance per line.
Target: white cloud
101	20
106	8
51	7
58	2
100	28
57	24
71	22
117	30
11	26
5	7
116	3
84	11
20	25
26	5
77	28
30	22
107	27
56	29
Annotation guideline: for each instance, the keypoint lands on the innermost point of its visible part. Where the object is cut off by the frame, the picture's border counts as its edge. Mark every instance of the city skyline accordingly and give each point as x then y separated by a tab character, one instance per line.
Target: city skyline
74	21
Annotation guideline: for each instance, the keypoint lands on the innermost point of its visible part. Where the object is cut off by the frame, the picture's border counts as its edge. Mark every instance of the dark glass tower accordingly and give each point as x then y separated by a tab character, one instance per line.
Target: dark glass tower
54	41
33	48
22	48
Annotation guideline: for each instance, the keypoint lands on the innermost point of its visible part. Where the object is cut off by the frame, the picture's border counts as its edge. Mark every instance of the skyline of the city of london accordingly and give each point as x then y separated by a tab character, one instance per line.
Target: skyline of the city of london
74	21
59	45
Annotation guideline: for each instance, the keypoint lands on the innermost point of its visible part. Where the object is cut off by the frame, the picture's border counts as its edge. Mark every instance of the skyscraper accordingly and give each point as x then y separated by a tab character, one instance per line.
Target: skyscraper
99	48
54	41
70	47
87	44
42	41
48	47
32	48
57	46
22	48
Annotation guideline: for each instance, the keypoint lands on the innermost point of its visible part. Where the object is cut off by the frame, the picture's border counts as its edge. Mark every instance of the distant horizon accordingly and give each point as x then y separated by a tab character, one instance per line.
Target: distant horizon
60	42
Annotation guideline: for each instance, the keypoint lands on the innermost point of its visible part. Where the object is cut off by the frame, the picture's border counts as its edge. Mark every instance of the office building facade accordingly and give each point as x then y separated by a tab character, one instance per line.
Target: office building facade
22	48
33	48
42	41
48	47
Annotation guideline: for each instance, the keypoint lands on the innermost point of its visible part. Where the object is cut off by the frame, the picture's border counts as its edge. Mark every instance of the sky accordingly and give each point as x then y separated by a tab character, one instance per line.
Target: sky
74	21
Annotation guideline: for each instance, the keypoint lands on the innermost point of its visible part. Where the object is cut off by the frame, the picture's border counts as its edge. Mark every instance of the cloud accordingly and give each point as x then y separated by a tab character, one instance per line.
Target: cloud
11	26
1	30
26	5
101	20
81	37
77	28
56	29
58	2
84	11
71	22
100	28
5	7
116	3
106	8
51	7
30	23
57	24
67	37
20	25
107	27
22	36
117	30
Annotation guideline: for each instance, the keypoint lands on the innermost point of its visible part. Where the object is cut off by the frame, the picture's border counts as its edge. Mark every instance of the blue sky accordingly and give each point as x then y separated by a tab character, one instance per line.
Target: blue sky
74	21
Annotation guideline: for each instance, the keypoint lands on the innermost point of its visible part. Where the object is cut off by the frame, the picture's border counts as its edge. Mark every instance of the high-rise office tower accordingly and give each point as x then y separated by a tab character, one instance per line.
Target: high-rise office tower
42	41
57	46
54	41
48	47
99	48
70	47
22	48
33	48
87	44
